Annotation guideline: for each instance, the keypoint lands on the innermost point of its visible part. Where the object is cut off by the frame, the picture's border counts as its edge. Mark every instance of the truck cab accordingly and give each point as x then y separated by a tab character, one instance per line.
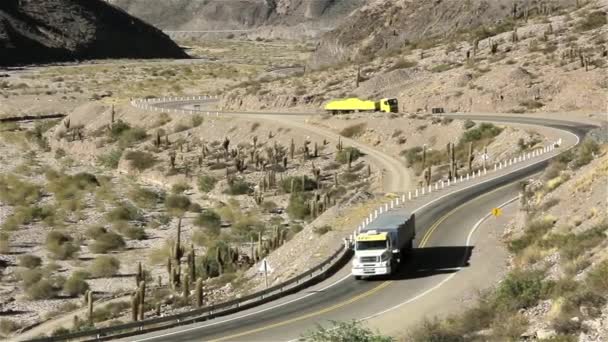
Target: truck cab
381	246
373	255
389	105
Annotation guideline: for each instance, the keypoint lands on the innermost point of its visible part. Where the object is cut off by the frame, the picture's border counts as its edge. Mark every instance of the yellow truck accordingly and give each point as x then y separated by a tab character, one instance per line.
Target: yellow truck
357	105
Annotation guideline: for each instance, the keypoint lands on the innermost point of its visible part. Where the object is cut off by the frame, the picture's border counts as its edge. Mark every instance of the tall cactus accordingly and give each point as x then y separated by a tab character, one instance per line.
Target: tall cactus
134	306
199	292
186	286
470	157
292	149
89	297
142	300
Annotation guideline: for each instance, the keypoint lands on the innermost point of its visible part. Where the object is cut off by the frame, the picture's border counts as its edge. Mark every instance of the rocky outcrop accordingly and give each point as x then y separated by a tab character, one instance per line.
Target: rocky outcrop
34	31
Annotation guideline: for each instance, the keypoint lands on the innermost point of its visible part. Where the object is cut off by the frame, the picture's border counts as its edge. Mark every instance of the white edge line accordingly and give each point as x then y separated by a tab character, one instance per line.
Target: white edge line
245	315
426	292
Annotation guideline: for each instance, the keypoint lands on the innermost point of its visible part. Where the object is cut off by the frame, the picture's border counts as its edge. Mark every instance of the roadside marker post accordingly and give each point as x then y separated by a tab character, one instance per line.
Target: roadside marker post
416	193
409	195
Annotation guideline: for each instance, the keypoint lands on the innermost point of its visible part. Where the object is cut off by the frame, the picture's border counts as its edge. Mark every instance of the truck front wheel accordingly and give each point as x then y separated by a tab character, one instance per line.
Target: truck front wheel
357	277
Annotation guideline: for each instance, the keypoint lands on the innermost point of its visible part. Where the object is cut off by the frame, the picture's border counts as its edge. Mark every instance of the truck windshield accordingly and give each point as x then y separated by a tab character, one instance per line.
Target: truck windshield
366	245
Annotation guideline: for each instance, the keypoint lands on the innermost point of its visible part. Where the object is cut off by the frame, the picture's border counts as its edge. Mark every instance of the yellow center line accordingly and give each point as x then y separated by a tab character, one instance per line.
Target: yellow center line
368	293
312	314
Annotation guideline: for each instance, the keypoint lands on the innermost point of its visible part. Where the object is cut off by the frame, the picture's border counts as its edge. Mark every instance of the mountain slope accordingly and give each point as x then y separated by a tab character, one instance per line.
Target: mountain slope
33	31
238	14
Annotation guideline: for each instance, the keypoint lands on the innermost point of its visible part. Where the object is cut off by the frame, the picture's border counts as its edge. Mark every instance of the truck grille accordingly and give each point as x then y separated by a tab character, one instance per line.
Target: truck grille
368	259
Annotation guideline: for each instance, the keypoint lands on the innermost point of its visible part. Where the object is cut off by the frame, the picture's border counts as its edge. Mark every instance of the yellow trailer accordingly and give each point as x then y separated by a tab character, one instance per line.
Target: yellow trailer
357	105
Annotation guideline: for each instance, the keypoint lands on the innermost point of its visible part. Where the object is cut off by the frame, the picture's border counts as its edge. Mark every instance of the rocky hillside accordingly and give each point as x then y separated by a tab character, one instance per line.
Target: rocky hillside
553	63
388	25
33	31
239	14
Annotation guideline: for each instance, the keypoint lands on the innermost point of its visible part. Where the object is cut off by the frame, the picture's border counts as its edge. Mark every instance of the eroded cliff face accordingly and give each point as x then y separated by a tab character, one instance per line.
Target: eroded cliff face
34	31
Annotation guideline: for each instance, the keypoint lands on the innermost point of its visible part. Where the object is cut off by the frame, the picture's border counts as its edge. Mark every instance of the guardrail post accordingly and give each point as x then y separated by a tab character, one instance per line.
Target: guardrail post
409	195
467	176
386	207
448	182
423	190
397	200
376	213
461	178
436	185
416	192
430	188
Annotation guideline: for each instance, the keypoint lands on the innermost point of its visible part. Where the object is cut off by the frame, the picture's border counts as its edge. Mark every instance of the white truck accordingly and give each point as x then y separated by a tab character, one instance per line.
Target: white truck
381	245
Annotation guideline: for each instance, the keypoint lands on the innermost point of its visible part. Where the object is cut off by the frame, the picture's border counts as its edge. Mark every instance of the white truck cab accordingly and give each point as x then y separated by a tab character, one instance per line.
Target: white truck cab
380	246
373	254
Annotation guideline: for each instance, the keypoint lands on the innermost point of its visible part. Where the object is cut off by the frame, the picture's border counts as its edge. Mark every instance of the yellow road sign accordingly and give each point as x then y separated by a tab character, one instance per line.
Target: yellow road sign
496	212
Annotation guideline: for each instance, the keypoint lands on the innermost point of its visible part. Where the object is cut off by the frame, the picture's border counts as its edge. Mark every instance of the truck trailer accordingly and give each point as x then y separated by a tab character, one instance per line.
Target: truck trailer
357	105
382	245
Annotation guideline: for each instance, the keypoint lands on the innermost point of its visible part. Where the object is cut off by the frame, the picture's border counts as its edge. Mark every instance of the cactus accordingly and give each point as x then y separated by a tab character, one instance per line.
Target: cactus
192	264
428	176
369	170
160	281
336	179
226	144
89	298
172	156
470	158
167	142
259	250
142	300
139	274
158	309
423	156
349	158
66	123
220	262
186	286
255	141
199	292
178	250
112	115
315	150
134	306
169	271
339	146
358	78
514	36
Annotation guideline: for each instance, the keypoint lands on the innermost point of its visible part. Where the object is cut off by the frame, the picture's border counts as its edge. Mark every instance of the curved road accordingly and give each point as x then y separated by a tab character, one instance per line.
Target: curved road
443	230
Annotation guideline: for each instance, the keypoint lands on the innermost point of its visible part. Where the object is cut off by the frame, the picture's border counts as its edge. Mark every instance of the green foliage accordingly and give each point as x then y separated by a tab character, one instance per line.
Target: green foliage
322	230
434	331
444	67
593	20
519	290
353	131
597	279
23	215
468	124
29	261
111	159
60	245
532	234
342	156
4	243
585	152
238	187
298	206
43	289
402	63
109	311
197	120
177	205
179	188
209	219
144	198
140	160
309	184
206	183
7	326
71	188
128	230
29	277
124	212
105	241
125	134
104	266
483	131
351	331
531	104
14	191
75	285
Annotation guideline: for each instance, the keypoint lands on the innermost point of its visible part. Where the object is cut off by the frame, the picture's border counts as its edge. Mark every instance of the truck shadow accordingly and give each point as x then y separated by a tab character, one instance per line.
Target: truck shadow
429	261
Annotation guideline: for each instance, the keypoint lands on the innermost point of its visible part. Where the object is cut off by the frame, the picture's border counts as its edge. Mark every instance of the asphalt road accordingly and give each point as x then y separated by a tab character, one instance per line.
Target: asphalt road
442	228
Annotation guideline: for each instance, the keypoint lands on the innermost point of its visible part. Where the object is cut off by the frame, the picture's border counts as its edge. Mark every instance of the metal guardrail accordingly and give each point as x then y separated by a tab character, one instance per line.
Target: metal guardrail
32	117
295	284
